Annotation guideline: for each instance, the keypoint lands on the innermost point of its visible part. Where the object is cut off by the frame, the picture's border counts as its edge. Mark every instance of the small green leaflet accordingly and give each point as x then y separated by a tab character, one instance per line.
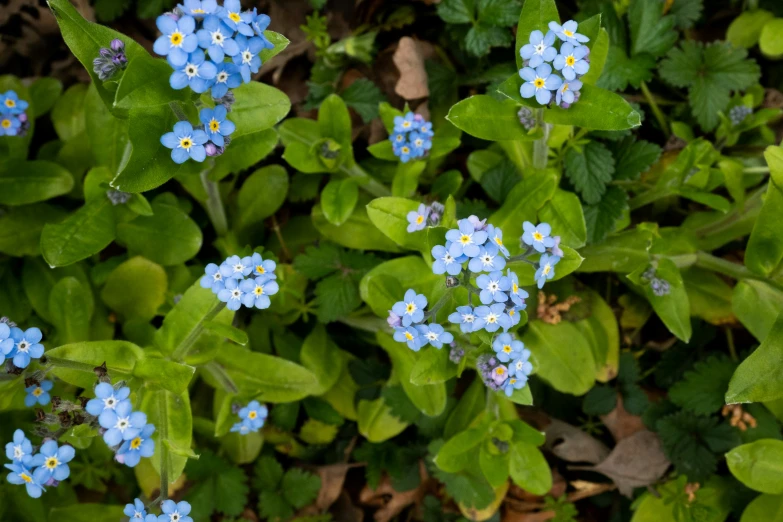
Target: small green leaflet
590	170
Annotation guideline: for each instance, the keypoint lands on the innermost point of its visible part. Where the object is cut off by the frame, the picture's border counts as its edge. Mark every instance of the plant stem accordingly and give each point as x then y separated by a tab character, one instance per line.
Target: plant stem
219	373
366	182
164	450
755	170
722	266
540	146
283	247
730	342
656	110
433	311
182	349
214	205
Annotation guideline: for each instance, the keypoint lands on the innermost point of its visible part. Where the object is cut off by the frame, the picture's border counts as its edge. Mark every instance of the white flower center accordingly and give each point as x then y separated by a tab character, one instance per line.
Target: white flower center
138	515
174	517
222	77
191	70
217	276
236	293
23	346
468	318
247	57
432	336
109	402
239	267
487	260
18	452
519	365
123	423
492	318
419	143
217	38
540	48
410	308
447	259
493	286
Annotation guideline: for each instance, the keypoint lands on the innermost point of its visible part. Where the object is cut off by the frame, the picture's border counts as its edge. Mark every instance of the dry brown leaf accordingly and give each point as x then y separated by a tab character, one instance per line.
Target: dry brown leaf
345	511
572	444
635	462
409	60
332	480
391	501
621	423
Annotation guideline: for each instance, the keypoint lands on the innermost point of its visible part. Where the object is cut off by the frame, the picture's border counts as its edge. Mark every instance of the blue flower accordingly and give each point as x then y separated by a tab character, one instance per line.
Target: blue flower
397	139
513	314
216	38
467	319
140	446
253	416
232	294
495	235
540	49
411	336
539	82
51	462
20	450
417	219
406	123
434	334
411	308
20	474
136	511
425	127
247	58
507	348
521	367
445	262
420	144
236	268
256	292
546	269
537	236
499	374
38	394
571	61
6	343
466	240
494	317
259	24
556	250
185	142
106	398
517	294
514	383
263	268
198	73
227	77
11	104
567	32
199	8
212	278
567	93
121	423
403	151
27	346
178	39
216	125
9	125
493	287
174	511
234	18
488	260
243	428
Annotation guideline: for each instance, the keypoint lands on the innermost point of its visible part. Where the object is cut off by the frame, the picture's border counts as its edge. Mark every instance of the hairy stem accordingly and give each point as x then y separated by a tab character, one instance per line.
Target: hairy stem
214	205
181	351
540	146
656	110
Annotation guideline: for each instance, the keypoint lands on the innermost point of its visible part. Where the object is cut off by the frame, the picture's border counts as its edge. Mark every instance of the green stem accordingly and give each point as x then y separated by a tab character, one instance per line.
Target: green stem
755	170
164	450
656	110
722	266
433	311
182	349
730	342
645	198
214	204
367	182
219	373
178	112
540	146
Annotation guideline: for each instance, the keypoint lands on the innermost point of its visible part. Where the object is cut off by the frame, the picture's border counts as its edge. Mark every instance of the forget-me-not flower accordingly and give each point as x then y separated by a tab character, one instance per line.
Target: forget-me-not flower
174	511
107	398
185	142
247	58
136	511
216	125
21	474
216	38
539	82
517	295
178	39
11	104
235	267
567	93
488	259
121	423
512	384
507	348
537	236
142	445
51	462
546	270
500	374
259	24
420	143
21	449
540	49
212	278
411	336
9	125
513	314
434	334
227	77
6	343
493	287
567	32
494	317
467	319
232	294
571	61
411	308
199	8
27	346
406	123
197	72
263	267
417	219
256	292
254	415
495	236
556	250
521	366
466	240
38	394
445	262
403	151
235	19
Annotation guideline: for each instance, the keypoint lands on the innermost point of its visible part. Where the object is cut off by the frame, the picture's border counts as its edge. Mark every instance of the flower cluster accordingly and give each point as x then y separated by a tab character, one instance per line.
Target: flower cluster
412	137
171	512
124	430
245	281
110	60
738	114
210	138
20	346
509	376
37	471
538	237
230	37
407	317
425	215
660	287
572	61
253	418
13	118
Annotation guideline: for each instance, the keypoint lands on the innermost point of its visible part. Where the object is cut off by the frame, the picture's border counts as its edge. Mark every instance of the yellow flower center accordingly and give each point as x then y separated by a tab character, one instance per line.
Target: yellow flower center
465	239
136	443
547	269
260	269
492	318
538	236
406	124
214	125
419	143
38	391
539	83
512	381
252	415
514	288
176	38
420	219
235	17
408	336
198	10
6	123
27	478
51	462
511	312
405	150
500	370
568	33
399	137
565	88
186	143
410	308
499	241
570	60
10	103
507	348
259	290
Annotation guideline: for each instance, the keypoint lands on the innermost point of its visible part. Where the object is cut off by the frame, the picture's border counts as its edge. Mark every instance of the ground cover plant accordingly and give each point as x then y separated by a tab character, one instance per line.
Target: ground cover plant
334	260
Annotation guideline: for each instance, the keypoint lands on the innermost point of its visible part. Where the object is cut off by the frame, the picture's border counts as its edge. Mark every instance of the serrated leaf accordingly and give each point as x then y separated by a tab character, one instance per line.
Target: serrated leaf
621	71
219	485
600	400
651	31
268	473
300	487
686	12
702	390
363	96
590	170
633	157
602	217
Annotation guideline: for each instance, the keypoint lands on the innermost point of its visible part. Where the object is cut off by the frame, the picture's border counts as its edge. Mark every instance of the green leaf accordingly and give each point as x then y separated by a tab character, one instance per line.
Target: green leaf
44	92
74	363
169	375
599	54
457	11
21	227
498	180
136	289
522	203
622	252
686	12
763	507
503	13
108	135
262	194
651	31
535	16
562	353
24	182
376	421
338	200
622	71
145	83
433	366
758	465
244	152
173	420
470	405
673	308
258	107
357	232
597	109
564	213
760	376
493	465
83	512
274	506
601	218
382	286
406	178
600	400
218	486
490	119
71	308
321	356
168	237
68	113
268	474
765	246
279	41
336	296
745	29
363	96
481	38
389	215
85	232
529	469
756	305
457	452
227	331
770	41
710	296
702	389
633	157
590	170
300	487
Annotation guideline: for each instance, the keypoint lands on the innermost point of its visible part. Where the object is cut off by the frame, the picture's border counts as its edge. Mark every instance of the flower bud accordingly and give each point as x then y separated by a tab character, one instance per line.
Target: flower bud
394	320
211	149
117	45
